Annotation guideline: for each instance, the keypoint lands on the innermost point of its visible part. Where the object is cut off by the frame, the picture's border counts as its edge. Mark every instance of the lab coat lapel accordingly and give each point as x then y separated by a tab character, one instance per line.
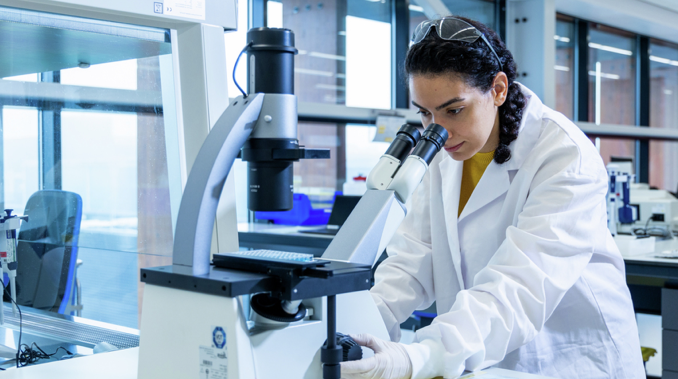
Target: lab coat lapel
451	171
494	182
497	177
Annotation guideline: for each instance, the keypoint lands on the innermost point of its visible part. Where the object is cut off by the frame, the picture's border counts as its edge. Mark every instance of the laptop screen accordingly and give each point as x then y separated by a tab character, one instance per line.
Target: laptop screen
342	208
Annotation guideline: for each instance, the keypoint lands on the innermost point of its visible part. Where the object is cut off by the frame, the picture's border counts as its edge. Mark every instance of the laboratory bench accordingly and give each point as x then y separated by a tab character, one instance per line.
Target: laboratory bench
55	333
653	283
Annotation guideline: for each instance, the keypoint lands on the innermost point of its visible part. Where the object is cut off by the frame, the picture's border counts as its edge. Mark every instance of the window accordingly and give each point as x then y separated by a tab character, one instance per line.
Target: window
612	85
565	66
344	50
479	10
615	147
663	113
612	76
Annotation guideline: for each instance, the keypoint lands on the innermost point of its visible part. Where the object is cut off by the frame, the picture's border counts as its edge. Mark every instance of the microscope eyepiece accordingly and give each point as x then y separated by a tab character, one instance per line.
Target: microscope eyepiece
406	138
431	142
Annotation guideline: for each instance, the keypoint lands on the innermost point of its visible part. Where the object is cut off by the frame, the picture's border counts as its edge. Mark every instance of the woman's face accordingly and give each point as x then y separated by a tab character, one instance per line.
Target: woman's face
469	115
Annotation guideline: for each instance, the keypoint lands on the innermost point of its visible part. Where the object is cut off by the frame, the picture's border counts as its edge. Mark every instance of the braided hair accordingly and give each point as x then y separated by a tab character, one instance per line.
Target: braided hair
477	66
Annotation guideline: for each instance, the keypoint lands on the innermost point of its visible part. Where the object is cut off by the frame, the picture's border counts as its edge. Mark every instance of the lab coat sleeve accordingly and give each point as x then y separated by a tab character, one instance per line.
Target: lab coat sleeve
404	281
541	258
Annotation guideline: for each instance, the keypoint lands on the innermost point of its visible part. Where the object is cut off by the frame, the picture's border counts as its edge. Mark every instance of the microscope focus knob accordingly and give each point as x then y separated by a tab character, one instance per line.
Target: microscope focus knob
350	349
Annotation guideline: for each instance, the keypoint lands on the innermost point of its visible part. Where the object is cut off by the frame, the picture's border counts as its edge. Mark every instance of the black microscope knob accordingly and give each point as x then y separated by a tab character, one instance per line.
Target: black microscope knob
350	349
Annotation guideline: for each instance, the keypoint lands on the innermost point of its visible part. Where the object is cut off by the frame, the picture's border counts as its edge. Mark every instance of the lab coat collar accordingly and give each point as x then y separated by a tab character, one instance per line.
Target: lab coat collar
529	130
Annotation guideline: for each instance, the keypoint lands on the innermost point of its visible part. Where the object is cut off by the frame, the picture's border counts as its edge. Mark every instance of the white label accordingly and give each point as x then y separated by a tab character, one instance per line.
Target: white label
213	363
387	128
185	8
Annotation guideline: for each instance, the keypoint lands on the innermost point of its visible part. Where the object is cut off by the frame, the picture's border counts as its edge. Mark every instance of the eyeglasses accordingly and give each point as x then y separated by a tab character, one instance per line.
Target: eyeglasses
452	29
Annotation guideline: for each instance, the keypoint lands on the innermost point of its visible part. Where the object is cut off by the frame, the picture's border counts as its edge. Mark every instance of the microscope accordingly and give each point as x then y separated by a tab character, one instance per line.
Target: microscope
269	314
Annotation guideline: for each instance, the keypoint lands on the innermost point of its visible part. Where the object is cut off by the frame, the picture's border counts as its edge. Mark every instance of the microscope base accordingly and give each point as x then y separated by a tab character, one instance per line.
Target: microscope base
178	340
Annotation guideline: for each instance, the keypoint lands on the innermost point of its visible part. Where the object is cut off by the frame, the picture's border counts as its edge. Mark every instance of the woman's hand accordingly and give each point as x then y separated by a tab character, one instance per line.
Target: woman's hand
390	361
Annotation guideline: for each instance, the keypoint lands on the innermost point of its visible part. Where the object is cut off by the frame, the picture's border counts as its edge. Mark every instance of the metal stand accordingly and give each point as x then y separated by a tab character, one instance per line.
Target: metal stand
331	354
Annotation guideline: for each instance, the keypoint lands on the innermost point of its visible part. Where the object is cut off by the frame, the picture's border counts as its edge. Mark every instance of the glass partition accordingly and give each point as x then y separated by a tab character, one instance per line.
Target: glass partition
84	155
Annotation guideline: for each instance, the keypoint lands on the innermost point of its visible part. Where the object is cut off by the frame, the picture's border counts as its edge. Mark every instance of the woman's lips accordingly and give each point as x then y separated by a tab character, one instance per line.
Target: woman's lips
453	148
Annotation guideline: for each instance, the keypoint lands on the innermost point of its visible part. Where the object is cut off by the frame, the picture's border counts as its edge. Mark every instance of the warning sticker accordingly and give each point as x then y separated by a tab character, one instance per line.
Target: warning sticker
213	363
185	8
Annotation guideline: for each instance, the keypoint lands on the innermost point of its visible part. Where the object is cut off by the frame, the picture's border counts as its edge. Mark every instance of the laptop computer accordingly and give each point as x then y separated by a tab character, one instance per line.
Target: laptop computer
342	208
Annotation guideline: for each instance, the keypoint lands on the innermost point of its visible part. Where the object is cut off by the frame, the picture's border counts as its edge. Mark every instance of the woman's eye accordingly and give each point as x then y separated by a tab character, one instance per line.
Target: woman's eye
423	113
454	111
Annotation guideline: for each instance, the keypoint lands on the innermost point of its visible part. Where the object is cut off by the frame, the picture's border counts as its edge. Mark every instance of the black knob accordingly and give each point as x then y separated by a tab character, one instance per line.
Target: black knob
350	349
9	212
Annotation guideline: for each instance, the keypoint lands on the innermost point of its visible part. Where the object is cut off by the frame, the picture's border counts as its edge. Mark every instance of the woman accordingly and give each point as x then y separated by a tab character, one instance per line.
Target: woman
507	233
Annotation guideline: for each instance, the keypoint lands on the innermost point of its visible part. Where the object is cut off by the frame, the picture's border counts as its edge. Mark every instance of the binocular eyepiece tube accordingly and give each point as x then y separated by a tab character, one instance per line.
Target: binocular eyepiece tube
431	142
414	168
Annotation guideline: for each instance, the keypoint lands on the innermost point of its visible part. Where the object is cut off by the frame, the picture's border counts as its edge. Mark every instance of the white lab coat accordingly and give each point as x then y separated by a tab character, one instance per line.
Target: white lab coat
528	278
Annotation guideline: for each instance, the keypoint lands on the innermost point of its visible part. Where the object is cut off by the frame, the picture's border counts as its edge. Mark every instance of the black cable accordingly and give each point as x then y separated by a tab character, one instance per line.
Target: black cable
26	355
29	355
236	66
21	322
654	231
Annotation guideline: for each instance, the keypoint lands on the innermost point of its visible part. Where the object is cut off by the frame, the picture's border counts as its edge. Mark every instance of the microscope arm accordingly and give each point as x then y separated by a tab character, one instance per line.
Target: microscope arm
379	213
197	212
368	229
376	217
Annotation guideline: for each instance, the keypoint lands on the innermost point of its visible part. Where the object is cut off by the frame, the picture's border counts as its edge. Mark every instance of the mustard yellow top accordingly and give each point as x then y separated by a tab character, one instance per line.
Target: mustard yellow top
474	168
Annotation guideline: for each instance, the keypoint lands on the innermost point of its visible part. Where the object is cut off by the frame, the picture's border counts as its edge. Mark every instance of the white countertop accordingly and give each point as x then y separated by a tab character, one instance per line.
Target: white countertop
123	365
120	364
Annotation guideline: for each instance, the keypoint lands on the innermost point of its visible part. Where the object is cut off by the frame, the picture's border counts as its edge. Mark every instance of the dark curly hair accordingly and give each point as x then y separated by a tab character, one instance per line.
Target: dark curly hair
477	66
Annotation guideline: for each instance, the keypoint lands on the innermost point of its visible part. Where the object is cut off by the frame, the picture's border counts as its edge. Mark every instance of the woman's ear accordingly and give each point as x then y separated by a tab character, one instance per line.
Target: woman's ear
500	89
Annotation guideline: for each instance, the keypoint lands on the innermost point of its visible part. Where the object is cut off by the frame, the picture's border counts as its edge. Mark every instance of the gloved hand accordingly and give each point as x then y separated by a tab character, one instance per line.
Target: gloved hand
390	361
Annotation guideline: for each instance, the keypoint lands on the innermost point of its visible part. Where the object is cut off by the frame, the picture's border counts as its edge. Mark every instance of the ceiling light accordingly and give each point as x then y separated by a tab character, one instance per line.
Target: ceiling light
604	75
313	72
610	49
326	56
663	60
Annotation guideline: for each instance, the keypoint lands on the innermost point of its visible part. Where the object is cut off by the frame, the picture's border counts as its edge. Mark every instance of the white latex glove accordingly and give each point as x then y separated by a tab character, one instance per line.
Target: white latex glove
390	360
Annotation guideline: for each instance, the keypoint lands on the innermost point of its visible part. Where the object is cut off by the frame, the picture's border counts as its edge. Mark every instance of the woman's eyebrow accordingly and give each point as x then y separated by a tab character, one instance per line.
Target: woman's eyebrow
443	105
449	102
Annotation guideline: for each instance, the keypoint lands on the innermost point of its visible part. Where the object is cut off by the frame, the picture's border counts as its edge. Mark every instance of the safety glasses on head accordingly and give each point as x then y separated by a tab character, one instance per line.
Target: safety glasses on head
452	29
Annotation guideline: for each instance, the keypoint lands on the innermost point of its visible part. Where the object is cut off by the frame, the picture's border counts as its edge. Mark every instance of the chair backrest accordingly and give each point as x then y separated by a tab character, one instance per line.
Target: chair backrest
47	249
